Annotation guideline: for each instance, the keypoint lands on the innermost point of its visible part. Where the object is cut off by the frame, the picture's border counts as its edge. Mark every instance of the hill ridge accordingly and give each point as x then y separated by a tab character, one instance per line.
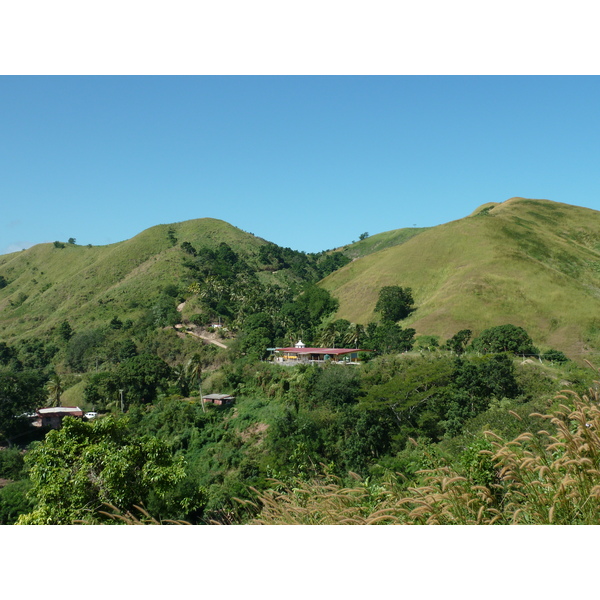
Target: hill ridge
525	261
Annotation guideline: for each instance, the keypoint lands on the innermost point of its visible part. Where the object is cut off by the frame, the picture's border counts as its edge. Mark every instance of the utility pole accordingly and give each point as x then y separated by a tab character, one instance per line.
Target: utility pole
122	405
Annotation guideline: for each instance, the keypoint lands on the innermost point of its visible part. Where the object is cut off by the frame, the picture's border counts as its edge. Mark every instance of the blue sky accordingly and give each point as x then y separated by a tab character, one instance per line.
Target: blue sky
308	162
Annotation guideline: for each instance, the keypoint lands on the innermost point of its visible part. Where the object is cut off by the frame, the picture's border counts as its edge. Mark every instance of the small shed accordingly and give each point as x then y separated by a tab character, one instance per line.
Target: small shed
52	417
218	399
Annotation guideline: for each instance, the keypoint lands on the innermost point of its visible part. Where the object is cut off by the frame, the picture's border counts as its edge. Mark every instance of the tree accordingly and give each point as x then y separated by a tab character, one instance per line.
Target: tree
65	331
55	389
394	303
427	342
116	323
102	389
336	386
409	402
83	347
193	369
121	350
3	282
142	376
82	465
504	338
318	303
164	311
388	337
458	342
188	248
363	236
14	501
21	392
555	356
71	240
7	354
354	335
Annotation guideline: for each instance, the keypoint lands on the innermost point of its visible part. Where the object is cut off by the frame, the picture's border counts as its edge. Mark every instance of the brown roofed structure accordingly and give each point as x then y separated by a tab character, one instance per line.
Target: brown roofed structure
317	354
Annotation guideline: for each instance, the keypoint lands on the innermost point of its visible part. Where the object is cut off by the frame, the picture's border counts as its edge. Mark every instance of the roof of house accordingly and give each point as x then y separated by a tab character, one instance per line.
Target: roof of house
334	351
68	410
217	396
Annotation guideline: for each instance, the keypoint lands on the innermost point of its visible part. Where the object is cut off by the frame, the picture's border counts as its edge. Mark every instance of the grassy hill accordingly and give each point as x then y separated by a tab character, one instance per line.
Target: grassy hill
380	241
90	285
533	263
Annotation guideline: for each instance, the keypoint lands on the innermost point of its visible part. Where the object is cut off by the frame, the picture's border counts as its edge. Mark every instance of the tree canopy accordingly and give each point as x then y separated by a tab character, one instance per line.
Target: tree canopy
82	465
504	338
394	303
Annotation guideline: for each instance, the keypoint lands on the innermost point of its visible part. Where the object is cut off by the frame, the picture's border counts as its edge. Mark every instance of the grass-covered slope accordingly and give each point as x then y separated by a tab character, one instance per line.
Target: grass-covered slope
84	285
533	263
380	241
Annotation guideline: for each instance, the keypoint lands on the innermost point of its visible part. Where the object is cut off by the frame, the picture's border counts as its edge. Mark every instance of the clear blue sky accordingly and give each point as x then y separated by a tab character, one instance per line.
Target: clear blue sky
305	162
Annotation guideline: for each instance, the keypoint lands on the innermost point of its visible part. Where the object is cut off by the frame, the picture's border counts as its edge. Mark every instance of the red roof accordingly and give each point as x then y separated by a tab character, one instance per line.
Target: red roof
333	351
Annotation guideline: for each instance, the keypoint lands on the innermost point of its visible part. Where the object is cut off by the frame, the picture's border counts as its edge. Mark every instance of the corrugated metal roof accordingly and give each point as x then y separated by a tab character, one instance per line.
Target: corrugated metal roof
334	351
60	409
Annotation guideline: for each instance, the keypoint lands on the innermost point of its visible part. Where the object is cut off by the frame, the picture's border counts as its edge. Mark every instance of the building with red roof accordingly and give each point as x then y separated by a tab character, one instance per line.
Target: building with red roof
302	354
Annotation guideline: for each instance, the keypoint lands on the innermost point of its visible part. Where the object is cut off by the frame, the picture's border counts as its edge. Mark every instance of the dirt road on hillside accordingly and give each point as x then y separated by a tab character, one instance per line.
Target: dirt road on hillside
185	328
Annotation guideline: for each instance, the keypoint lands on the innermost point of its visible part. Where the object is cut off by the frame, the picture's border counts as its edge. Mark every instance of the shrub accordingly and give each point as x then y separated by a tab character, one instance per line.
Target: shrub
548	477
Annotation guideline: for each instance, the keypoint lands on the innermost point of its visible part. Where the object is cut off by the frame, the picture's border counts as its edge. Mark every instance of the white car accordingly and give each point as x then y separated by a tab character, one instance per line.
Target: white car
90	415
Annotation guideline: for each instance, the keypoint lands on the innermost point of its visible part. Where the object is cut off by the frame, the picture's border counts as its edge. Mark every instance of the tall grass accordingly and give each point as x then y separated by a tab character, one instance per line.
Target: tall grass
550	476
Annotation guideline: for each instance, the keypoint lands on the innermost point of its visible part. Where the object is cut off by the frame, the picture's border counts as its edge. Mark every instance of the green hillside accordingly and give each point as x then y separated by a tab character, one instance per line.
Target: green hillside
532	263
380	241
83	284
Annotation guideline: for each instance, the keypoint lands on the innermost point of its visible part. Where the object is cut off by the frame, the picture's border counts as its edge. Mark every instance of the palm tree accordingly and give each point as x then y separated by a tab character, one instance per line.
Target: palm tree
327	336
356	332
193	368
55	389
181	377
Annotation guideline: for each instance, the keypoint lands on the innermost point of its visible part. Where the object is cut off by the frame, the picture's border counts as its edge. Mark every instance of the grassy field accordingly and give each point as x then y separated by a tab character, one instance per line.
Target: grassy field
532	263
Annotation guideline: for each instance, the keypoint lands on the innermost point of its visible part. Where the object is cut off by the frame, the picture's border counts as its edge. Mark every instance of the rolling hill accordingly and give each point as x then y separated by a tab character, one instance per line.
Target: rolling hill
87	285
533	263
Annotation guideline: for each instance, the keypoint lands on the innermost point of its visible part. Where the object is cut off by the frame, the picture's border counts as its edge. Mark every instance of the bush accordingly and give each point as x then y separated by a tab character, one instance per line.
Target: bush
11	464
14	501
200	319
505	338
555	356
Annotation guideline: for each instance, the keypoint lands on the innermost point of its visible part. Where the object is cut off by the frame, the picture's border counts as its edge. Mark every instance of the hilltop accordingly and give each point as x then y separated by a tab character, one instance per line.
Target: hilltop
532	263
49	284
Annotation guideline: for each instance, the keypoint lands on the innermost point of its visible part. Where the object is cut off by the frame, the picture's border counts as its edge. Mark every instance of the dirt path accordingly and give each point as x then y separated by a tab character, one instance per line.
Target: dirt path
185	329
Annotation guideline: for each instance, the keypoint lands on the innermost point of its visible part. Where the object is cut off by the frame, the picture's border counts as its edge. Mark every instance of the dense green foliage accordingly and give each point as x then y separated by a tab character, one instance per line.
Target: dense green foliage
394	303
142	355
505	338
21	392
83	465
290	423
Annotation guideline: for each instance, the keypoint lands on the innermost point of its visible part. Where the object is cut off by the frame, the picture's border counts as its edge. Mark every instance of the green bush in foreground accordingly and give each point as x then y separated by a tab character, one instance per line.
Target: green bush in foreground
82	466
